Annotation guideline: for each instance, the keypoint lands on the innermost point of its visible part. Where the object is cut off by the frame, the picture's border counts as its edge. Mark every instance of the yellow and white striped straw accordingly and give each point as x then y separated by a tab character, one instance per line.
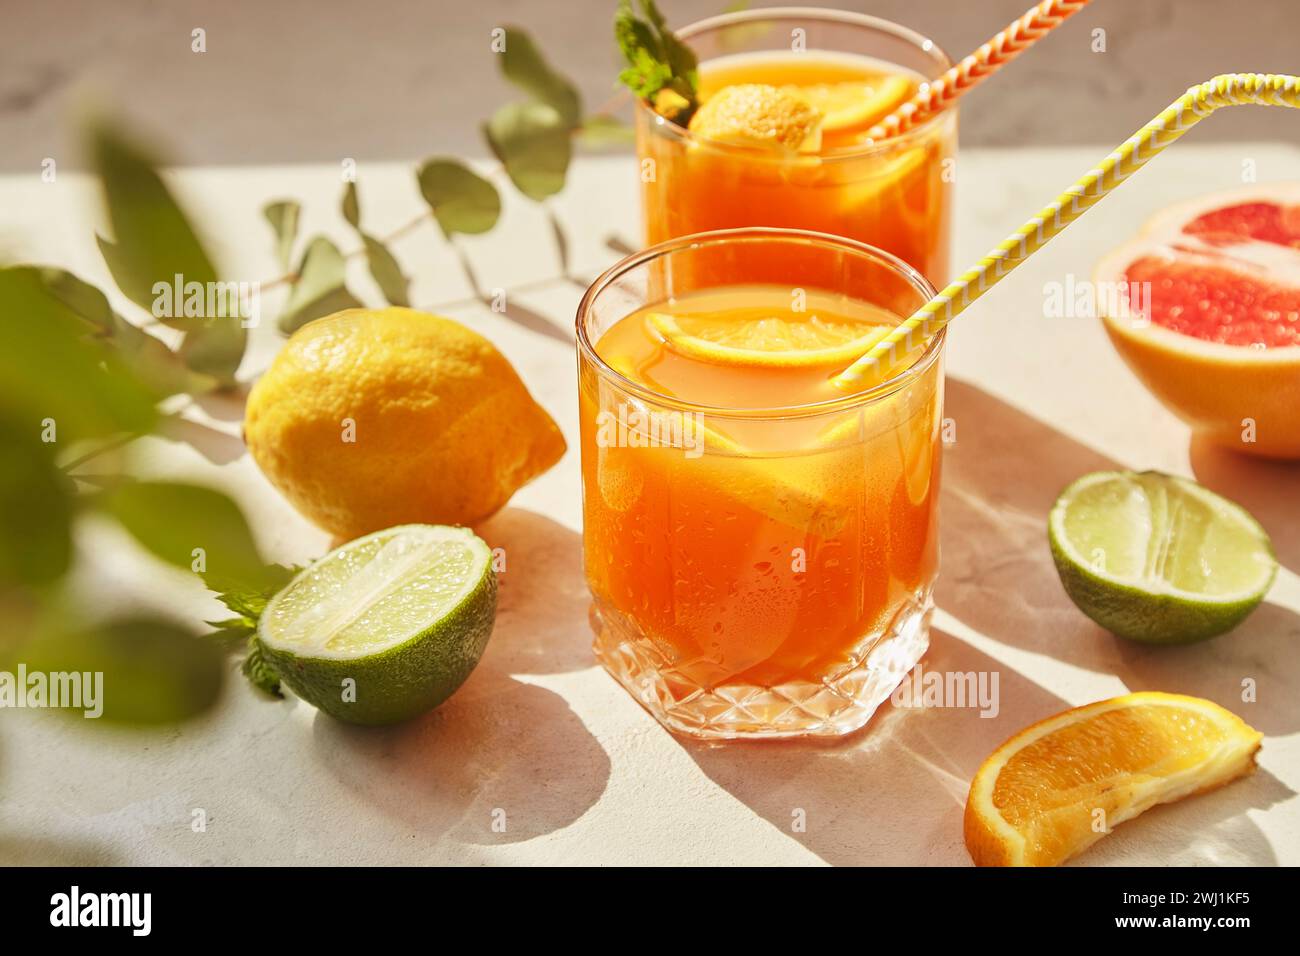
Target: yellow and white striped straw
1231	89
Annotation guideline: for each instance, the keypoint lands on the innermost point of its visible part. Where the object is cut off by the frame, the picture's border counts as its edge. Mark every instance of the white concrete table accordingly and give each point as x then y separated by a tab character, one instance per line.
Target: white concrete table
539	733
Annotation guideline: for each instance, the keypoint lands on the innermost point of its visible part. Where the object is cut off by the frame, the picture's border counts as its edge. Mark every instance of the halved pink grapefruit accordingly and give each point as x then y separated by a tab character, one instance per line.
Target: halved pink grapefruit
1212	326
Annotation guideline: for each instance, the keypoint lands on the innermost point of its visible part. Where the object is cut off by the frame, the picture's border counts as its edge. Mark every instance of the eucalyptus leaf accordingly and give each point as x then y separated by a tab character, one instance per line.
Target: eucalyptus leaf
194	528
216	349
320	289
387	272
157	366
351	205
35	509
461	199
523	65
154	240
534	145
85	301
283	217
51	370
154	671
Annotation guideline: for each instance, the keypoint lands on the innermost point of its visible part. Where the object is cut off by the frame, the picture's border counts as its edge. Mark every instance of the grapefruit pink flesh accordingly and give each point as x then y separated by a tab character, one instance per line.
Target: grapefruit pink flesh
1216	291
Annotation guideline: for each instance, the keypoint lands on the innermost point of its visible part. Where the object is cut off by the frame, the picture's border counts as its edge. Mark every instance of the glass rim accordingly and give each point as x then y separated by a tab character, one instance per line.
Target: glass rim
877	393
918	40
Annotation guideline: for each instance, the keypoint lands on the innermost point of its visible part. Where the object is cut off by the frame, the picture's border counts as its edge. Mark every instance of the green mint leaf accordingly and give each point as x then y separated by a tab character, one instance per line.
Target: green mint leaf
232	632
248	603
655	59
259	673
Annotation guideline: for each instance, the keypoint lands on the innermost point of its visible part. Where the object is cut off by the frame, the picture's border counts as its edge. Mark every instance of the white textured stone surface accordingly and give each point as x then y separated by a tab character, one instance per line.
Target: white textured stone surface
582	774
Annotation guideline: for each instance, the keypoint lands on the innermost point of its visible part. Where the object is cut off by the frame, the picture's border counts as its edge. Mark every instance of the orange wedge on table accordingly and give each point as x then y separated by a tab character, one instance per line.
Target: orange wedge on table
1058	786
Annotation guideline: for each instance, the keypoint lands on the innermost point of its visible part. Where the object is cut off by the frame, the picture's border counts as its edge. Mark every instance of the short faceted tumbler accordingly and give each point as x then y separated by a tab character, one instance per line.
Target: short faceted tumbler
760	548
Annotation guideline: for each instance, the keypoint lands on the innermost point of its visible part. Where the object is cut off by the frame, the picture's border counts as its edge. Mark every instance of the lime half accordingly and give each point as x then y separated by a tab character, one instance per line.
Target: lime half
1157	558
386	626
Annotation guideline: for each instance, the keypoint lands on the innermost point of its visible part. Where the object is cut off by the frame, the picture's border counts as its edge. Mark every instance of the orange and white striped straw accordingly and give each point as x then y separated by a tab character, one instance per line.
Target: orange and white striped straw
1231	89
938	94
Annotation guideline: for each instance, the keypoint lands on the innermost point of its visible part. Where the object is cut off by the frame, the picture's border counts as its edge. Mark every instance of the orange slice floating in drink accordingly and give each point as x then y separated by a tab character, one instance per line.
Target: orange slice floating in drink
1058	786
766	340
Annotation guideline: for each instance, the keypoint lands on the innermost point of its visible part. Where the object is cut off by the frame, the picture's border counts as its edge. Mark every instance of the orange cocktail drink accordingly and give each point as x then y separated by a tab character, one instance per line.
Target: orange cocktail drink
760	546
894	194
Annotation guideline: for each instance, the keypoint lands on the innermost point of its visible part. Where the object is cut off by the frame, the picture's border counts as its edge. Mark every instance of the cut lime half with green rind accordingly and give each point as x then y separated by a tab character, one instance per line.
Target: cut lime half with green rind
1157	558
384	627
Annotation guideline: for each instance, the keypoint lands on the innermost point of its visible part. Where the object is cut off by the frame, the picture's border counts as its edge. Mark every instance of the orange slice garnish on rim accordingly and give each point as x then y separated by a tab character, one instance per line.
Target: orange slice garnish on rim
1058	786
854	106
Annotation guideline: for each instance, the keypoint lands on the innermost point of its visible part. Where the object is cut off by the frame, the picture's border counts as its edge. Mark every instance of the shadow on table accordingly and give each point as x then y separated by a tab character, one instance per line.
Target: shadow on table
894	793
1260	651
1269	490
46	851
542	607
500	752
1000	479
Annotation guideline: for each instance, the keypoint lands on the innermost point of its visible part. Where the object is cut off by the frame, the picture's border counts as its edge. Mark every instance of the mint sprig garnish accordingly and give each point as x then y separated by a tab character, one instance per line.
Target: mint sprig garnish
661	69
247	604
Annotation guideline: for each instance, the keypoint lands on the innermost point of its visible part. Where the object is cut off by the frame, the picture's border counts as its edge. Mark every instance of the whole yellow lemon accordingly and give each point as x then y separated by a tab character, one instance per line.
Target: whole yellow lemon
373	418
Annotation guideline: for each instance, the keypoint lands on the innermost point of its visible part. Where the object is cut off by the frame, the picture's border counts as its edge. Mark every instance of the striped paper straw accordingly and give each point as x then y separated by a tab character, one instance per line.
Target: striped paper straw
1231	89
984	62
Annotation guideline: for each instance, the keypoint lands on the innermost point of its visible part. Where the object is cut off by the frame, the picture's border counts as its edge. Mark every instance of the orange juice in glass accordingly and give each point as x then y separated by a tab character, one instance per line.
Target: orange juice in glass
895	194
760	546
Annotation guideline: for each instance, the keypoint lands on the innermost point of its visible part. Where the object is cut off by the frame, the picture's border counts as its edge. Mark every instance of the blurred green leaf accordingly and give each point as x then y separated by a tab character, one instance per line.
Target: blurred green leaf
35	509
599	132
194	528
283	217
157	366
154	241
216	349
351	205
523	65
462	201
320	289
50	368
85	301
534	145
154	672
387	272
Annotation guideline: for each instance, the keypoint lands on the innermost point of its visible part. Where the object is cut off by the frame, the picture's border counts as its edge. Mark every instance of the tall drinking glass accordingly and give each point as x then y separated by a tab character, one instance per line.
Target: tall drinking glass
895	194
